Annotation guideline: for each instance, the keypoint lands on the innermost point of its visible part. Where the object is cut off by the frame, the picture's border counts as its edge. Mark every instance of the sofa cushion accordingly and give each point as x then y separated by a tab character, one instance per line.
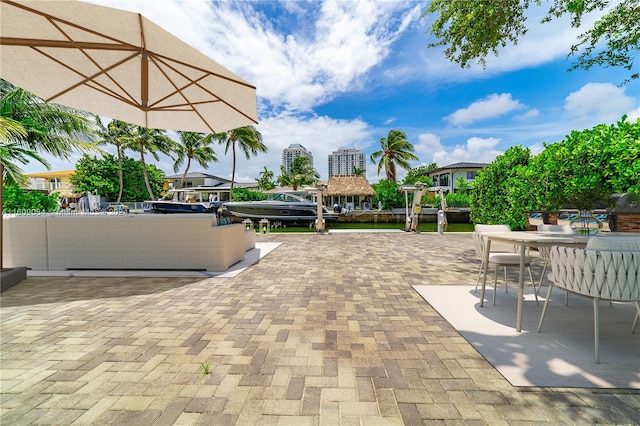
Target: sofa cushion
614	243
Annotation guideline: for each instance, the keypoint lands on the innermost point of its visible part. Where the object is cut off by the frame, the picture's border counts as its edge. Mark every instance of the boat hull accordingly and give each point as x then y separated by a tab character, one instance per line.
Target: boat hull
278	212
174	207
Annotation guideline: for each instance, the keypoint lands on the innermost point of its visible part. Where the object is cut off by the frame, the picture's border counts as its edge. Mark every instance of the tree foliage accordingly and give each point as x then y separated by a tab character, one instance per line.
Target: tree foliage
302	173
32	127
100	176
244	194
497	195
119	134
388	193
417	174
472	29
150	141
580	172
248	139
395	150
265	181
15	199
193	146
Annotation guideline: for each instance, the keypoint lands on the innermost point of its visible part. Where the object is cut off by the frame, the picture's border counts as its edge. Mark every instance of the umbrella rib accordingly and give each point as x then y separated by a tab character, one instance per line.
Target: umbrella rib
162	59
144	68
165	59
205	122
119	46
90	79
103	71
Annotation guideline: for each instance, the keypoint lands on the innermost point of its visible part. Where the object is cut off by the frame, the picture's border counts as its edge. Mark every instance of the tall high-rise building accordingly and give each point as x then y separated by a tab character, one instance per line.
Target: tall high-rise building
294	150
342	162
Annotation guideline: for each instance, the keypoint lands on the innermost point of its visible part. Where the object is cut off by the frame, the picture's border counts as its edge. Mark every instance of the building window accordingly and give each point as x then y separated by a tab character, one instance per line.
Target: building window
54	184
435	180
444	180
472	175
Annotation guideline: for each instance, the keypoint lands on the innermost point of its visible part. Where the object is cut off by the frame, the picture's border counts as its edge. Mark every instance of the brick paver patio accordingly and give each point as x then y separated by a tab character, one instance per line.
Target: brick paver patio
325	330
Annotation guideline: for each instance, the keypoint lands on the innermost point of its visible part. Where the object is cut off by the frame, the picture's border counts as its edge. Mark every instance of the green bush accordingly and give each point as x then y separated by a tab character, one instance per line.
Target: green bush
388	194
244	194
16	200
575	172
456	199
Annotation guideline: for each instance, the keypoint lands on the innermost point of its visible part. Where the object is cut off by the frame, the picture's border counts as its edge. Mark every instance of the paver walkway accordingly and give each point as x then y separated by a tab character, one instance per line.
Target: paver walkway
325	330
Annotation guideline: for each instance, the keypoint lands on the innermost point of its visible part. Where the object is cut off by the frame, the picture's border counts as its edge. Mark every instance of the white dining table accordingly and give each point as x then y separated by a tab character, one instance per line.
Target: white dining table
526	240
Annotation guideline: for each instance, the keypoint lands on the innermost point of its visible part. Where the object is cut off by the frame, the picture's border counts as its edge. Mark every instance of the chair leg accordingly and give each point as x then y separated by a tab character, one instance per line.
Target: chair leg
544	269
566	298
506	283
495	286
596	330
544	309
535	293
479	275
637	318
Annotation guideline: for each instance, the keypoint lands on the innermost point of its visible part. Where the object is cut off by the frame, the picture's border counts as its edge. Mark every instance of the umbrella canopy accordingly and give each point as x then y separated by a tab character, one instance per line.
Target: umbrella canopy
120	65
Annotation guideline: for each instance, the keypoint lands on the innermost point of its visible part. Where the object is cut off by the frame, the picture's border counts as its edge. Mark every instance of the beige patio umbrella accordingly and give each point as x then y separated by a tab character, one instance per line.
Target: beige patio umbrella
118	64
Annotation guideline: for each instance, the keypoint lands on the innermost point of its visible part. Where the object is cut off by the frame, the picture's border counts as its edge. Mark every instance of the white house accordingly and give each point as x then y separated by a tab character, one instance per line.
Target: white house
199	179
444	178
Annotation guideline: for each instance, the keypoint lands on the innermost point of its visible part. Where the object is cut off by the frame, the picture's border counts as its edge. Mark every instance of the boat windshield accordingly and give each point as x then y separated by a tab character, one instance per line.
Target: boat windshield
288	198
180	196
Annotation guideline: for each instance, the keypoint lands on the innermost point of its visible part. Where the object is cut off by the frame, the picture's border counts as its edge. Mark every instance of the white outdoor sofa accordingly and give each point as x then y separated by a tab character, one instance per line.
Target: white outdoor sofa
134	242
607	269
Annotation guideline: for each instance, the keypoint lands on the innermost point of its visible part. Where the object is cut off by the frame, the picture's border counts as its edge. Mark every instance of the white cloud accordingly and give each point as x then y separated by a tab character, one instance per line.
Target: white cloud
492	106
633	115
531	113
596	103
428	145
477	150
305	69
319	134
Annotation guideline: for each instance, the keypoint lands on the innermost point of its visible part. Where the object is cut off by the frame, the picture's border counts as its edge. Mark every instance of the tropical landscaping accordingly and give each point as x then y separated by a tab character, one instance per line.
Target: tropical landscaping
582	171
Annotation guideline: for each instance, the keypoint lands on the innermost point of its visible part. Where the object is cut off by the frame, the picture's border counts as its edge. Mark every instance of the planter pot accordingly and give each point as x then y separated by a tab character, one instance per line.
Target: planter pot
586	223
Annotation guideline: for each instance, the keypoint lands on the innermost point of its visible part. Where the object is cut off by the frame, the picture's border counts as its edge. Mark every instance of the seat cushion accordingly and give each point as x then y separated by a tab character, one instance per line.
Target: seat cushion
614	243
507	258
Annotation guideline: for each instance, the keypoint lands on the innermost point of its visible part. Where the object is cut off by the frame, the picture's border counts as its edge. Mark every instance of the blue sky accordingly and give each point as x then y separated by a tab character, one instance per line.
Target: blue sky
343	73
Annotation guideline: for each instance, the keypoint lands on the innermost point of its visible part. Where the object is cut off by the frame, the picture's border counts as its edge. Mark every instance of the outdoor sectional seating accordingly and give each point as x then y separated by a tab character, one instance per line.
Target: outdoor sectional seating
152	242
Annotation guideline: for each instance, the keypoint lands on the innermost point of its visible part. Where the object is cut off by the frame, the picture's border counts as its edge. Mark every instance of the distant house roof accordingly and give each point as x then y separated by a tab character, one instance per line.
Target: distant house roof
349	186
51	174
462	165
196	175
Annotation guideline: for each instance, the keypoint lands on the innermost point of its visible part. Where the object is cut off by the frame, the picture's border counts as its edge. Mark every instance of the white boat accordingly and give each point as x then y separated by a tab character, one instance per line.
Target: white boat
186	200
289	206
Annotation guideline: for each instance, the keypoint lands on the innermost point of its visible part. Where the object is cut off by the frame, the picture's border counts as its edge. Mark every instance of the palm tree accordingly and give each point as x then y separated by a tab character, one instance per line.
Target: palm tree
302	173
248	138
193	146
150	141
29	125
265	182
48	128
119	134
10	152
395	150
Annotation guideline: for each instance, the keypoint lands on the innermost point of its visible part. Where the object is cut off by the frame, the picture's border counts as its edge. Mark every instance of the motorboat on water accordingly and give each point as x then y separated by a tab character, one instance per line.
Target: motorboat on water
186	200
282	206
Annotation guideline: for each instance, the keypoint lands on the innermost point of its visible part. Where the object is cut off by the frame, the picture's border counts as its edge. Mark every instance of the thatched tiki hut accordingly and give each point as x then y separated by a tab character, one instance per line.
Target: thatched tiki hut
352	192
